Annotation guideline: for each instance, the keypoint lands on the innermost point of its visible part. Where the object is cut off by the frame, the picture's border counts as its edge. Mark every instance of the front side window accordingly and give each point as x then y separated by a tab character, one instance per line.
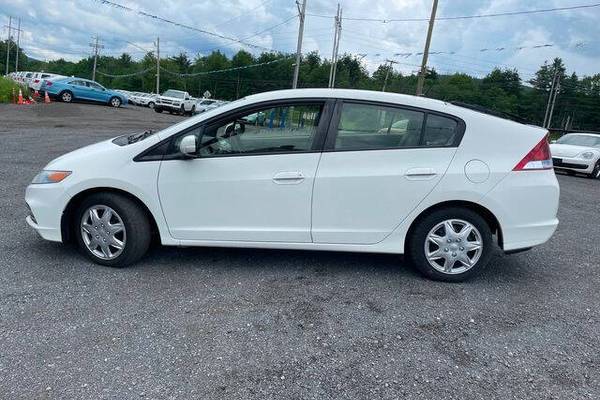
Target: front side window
279	129
371	127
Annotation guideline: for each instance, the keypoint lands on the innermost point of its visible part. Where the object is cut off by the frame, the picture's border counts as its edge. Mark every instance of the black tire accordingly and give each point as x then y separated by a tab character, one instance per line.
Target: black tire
114	102
66	96
417	241
135	220
596	172
182	110
193	110
158	109
151	104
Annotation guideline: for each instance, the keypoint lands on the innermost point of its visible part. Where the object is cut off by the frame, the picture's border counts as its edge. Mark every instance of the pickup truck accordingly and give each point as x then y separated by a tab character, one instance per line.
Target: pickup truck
175	101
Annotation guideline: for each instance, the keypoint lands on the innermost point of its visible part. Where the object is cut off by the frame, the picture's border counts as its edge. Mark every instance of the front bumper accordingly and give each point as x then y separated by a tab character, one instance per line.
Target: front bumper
573	164
46	204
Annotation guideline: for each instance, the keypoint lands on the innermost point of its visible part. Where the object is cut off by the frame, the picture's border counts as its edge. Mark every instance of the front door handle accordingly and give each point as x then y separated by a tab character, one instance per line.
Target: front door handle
288	178
420	173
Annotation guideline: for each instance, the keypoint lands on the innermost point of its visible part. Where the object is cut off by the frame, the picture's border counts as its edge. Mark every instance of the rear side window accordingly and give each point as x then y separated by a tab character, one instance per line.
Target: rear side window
371	127
440	131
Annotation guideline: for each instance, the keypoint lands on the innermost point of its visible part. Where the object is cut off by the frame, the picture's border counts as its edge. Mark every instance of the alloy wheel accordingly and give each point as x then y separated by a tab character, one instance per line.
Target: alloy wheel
453	246
103	232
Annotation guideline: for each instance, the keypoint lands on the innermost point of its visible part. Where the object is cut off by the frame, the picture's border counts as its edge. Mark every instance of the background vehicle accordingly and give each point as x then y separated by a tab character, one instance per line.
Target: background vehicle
71	89
310	169
175	101
144	99
577	152
38	78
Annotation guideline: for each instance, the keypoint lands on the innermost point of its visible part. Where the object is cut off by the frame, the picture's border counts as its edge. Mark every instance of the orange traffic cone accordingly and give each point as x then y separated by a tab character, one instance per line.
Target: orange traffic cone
46	98
20	101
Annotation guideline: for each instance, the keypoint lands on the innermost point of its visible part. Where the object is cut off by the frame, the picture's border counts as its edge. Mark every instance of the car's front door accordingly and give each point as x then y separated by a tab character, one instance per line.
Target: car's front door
251	179
379	163
98	93
80	89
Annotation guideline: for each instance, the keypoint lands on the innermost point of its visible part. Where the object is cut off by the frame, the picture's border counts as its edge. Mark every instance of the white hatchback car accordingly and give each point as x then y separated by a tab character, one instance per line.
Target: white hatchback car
577	152
321	170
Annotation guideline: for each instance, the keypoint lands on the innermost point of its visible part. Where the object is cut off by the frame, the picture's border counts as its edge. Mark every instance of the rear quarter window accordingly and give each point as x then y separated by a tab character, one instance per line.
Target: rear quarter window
440	131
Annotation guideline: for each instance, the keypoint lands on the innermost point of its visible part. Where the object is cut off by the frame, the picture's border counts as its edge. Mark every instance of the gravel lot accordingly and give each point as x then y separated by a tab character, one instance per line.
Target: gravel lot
242	324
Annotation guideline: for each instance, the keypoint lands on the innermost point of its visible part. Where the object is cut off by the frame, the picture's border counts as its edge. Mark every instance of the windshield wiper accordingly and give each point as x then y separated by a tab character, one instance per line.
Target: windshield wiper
136	137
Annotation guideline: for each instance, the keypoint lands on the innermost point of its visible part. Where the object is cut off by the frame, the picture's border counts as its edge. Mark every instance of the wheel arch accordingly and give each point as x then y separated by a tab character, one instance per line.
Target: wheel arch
66	223
484	212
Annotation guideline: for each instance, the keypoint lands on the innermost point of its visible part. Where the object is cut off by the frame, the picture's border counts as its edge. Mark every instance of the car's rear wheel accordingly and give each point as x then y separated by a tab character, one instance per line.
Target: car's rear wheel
115	102
66	96
151	104
158	109
193	110
111	229
450	244
596	171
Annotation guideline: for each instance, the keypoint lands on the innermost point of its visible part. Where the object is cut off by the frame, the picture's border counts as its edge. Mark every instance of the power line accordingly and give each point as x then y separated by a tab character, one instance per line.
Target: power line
181	25
222	70
459	17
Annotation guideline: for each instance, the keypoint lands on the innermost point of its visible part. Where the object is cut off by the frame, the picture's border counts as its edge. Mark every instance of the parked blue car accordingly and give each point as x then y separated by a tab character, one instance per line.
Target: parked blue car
70	89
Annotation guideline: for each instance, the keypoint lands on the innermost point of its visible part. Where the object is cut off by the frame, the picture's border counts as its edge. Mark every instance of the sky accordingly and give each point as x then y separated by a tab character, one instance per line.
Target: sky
53	29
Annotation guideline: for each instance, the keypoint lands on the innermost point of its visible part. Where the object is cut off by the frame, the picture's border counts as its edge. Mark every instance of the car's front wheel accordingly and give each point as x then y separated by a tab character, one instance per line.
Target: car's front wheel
111	229
450	244
596	171
151	104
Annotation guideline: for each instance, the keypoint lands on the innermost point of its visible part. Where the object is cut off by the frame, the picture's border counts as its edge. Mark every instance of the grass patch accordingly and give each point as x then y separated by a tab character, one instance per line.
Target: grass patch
6	90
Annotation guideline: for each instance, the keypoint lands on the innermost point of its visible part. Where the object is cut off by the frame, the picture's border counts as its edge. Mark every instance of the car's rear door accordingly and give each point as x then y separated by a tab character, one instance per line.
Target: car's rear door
248	181
380	161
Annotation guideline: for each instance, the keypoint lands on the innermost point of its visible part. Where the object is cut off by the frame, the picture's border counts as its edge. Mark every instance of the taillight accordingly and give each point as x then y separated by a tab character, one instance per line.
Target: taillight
539	158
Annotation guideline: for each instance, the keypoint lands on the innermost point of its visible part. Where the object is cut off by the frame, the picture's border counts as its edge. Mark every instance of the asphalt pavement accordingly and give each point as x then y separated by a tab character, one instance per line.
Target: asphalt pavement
206	323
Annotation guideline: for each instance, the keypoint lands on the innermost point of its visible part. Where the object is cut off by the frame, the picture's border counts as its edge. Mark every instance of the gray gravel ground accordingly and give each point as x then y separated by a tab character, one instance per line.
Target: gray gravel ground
244	324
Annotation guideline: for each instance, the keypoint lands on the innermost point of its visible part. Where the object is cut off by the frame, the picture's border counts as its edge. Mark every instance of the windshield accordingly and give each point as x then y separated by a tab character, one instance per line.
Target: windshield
580	140
174	93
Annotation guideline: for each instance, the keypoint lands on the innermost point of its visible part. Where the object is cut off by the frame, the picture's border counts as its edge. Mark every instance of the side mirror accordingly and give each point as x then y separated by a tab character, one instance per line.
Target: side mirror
188	146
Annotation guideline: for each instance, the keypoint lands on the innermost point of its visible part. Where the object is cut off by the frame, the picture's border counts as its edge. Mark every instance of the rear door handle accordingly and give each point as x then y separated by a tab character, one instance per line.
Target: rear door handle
420	173
288	178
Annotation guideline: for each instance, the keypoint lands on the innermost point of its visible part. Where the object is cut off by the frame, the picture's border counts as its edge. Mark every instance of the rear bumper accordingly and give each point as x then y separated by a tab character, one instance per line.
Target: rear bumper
525	204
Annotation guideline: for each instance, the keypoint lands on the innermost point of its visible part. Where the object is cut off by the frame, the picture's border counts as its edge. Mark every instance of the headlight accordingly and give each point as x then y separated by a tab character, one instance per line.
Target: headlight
50	177
587	155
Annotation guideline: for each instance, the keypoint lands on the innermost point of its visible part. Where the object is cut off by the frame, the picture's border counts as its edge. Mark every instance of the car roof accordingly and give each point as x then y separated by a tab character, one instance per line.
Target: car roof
365	95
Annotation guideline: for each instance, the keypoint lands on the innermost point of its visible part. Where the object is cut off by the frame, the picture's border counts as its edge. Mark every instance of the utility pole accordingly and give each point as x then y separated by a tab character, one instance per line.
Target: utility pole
556	90
18	44
301	15
8	43
421	81
95	45
158	66
387	73
554	76
336	46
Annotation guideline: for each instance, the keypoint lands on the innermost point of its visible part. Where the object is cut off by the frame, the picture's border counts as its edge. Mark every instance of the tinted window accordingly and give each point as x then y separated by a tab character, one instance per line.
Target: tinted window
440	131
284	129
369	127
